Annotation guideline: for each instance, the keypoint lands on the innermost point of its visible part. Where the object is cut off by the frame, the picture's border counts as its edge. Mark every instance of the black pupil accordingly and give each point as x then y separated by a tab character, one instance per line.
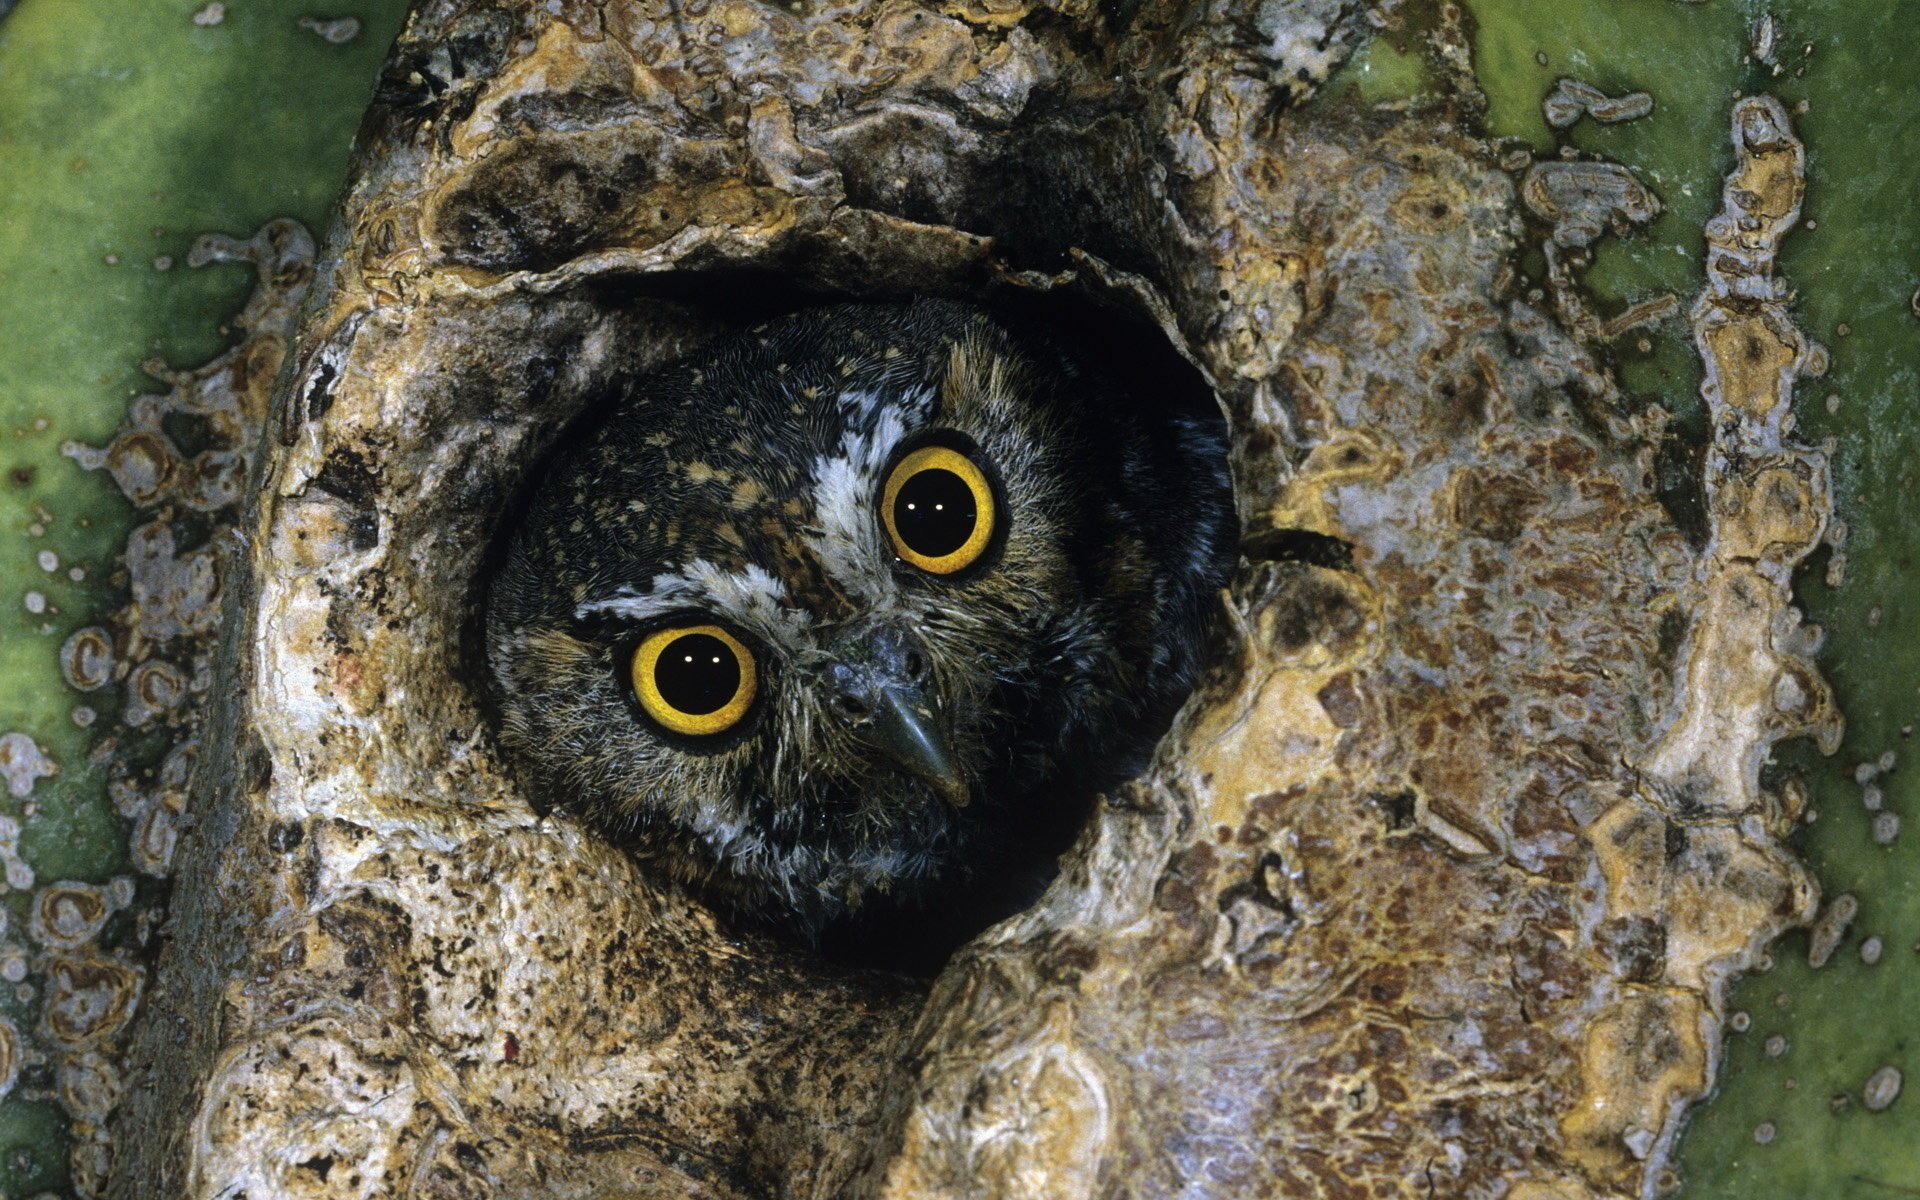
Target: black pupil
934	512
697	674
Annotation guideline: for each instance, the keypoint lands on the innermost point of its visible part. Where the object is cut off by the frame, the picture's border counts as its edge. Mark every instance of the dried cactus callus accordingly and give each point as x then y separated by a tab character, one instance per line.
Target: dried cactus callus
1438	876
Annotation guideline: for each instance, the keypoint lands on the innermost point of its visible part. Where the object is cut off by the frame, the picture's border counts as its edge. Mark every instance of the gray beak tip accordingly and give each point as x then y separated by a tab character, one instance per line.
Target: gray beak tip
907	731
953	791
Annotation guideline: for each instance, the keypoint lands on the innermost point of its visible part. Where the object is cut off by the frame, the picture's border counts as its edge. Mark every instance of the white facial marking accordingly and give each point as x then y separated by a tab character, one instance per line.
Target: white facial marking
752	597
848	542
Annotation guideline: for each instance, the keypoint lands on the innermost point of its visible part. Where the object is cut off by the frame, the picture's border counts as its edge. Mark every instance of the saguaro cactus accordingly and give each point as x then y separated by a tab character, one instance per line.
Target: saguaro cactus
1434	887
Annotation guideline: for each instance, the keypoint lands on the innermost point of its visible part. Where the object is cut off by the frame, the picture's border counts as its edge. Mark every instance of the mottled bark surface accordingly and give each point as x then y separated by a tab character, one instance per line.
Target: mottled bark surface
1432	890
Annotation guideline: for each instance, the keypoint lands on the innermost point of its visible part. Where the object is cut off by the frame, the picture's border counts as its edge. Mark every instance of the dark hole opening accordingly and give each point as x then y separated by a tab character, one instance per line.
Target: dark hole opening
1126	370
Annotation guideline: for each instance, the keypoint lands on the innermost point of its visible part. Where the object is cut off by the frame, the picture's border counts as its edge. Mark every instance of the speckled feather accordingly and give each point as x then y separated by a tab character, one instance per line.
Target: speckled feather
742	485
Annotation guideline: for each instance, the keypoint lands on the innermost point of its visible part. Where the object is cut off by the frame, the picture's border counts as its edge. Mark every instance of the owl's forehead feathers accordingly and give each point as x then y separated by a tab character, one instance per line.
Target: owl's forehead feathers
748	487
978	380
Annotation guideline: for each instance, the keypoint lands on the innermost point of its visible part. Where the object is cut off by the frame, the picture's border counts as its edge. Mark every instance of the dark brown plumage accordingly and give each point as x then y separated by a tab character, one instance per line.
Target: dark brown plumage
906	730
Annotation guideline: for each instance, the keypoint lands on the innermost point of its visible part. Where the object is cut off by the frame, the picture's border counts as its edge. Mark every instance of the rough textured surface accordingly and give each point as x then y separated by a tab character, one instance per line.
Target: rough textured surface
1435	885
83	947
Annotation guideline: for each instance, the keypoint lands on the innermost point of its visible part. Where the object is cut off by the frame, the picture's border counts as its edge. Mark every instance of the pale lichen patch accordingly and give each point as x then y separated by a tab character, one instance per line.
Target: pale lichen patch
22	763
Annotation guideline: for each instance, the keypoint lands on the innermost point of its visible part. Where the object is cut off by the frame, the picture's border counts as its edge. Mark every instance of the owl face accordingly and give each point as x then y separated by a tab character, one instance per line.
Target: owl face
810	616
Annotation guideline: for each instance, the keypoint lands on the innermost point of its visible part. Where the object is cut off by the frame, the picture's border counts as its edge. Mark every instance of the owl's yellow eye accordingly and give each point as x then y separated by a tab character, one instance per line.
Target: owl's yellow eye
938	509
694	679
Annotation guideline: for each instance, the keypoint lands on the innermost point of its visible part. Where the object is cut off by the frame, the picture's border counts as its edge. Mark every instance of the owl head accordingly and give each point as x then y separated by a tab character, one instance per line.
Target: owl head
840	605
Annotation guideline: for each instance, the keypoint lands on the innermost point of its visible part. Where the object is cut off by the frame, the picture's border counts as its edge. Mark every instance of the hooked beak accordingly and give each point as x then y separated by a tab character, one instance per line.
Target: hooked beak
907	730
880	684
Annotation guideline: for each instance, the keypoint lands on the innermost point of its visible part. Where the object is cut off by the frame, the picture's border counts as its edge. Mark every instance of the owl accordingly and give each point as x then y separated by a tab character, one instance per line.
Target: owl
856	608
